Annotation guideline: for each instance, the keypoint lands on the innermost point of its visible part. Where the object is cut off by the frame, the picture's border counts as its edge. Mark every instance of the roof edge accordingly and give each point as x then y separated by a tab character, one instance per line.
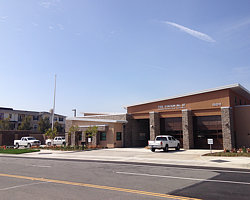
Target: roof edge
95	120
193	93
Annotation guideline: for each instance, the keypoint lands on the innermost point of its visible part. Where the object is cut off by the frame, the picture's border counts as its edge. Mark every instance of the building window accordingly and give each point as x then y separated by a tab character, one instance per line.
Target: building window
55	119
10	116
102	136
118	136
35	126
60	119
80	136
35	118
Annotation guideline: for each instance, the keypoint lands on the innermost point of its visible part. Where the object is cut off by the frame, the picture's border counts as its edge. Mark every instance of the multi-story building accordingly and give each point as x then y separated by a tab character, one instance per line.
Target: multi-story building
16	116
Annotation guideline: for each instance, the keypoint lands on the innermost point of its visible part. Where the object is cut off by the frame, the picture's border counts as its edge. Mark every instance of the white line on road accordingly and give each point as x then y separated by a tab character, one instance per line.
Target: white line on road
17	186
185	168
38	166
184	178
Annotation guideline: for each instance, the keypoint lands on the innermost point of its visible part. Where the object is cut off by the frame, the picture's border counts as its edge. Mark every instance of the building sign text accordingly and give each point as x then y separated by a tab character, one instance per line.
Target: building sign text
172	107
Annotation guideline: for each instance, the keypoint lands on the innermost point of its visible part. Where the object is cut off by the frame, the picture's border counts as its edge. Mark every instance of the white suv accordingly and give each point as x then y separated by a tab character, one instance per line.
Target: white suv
57	141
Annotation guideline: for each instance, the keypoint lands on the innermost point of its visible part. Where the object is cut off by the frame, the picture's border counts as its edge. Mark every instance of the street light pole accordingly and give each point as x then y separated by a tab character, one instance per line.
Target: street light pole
53	111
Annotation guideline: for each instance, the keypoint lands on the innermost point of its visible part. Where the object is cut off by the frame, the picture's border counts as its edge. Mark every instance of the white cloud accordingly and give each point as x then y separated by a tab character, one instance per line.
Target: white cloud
49	3
241	71
34	24
238	25
60	26
197	34
3	18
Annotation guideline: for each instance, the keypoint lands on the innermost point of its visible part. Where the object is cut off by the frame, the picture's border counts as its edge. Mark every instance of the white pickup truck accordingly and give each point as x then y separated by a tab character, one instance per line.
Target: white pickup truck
27	142
164	142
56	141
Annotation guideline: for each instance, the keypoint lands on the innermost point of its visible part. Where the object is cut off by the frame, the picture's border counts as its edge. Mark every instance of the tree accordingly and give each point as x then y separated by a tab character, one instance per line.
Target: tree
51	134
73	129
58	127
25	125
5	124
91	131
44	124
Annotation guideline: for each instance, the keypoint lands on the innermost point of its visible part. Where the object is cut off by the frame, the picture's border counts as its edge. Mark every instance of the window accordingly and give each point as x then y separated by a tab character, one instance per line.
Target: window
80	136
102	136
118	136
161	139
60	119
35	126
10	116
35	118
55	119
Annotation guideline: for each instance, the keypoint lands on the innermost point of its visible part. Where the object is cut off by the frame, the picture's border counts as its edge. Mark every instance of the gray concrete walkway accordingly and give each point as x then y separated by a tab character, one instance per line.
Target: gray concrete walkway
143	155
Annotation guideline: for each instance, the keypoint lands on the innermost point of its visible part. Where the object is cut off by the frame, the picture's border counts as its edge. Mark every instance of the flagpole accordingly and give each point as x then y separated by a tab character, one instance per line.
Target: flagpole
53	111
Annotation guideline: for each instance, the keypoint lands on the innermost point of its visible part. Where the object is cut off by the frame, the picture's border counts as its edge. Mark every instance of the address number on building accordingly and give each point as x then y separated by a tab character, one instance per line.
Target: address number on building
210	141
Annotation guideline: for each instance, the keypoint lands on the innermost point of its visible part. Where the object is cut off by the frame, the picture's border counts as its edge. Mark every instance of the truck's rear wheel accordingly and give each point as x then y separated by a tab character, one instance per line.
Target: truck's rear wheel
17	145
29	145
166	148
152	149
49	143
178	147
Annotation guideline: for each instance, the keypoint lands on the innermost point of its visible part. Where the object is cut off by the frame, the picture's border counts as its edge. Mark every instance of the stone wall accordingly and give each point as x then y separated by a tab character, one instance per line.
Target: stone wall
128	129
187	127
227	128
154	124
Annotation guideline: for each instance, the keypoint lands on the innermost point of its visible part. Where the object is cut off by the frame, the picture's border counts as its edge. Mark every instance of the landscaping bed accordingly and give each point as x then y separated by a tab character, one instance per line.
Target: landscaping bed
17	151
242	152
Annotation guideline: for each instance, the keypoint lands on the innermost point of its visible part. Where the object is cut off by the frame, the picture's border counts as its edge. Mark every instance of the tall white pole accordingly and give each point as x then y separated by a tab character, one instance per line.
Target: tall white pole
54	105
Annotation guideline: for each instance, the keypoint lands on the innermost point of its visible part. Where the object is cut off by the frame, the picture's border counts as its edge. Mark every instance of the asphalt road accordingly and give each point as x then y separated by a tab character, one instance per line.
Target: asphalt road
55	179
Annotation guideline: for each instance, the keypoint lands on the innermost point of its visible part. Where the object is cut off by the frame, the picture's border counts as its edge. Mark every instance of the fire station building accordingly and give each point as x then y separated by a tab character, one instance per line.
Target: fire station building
221	114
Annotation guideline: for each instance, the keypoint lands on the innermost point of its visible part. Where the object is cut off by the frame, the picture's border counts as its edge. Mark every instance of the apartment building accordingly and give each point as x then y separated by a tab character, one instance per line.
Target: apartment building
16	116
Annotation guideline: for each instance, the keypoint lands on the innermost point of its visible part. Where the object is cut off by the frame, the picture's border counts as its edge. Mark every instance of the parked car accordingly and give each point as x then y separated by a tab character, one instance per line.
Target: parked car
56	141
27	142
164	142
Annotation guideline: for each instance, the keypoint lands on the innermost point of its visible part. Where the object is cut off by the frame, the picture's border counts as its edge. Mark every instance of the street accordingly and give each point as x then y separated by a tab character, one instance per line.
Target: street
64	179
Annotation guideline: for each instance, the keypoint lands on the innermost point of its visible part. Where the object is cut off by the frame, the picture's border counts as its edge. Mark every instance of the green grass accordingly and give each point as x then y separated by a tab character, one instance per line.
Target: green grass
228	154
18	151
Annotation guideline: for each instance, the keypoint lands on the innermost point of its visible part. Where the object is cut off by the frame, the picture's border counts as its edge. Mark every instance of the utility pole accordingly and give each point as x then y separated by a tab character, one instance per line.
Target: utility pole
53	111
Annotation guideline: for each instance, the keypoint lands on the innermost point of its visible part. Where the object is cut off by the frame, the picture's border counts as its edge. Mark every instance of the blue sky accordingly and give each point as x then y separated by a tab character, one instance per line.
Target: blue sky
111	53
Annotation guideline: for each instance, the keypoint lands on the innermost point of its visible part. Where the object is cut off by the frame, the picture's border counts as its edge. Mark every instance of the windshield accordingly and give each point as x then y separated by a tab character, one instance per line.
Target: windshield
161	139
31	138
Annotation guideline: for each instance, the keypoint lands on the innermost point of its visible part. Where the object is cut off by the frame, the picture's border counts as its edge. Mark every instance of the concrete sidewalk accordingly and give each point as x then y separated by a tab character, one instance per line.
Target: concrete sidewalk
142	155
